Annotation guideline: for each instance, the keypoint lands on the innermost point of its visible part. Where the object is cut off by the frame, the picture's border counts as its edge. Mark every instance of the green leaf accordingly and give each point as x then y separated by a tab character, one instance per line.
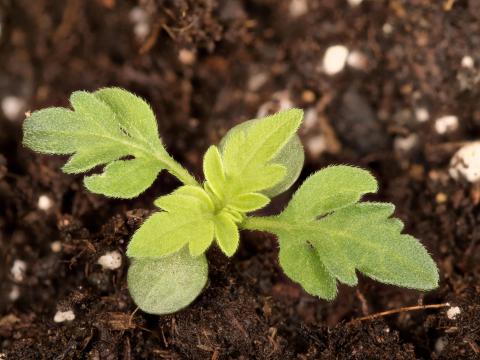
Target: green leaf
310	271
328	190
186	198
248	202
124	178
226	233
291	156
316	250
103	128
165	233
375	246
214	172
169	284
134	114
249	151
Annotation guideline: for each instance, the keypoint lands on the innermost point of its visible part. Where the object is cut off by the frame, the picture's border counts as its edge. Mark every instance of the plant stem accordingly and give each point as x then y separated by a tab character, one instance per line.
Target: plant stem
179	171
263	223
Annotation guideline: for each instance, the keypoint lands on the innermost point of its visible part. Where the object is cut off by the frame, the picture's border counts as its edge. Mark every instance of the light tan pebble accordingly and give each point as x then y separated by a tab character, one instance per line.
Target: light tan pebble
335	59
62	316
111	260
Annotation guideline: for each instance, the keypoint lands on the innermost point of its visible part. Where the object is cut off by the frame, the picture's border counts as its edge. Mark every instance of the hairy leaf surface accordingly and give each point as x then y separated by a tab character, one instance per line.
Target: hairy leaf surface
291	156
103	128
249	151
165	285
325	234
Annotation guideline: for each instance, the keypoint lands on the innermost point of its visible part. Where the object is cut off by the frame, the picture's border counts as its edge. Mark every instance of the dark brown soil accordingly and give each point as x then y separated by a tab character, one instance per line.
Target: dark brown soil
205	65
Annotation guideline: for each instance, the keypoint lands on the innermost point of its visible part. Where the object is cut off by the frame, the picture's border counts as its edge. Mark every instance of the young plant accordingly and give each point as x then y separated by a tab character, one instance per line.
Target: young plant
325	233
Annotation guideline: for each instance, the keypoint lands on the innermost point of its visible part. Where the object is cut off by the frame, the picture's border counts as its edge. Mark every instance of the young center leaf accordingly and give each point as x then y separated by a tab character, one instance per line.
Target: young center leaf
325	234
291	155
249	154
168	284
102	128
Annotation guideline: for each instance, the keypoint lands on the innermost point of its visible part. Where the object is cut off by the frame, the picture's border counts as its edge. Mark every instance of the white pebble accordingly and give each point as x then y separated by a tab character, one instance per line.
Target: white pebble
56	246
141	22
298	8
44	202
111	260
186	56
405	144
453	312
62	316
467	62
316	145
310	120
357	60
18	270
387	28
256	81
12	107
422	114
335	59
446	124
354	3
466	163
3	356
14	293
440	344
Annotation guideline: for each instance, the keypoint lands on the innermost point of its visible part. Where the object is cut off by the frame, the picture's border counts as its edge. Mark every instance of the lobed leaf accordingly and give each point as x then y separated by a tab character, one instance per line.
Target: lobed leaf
168	284
325	235
134	114
328	190
124	178
301	263
103	128
291	156
255	146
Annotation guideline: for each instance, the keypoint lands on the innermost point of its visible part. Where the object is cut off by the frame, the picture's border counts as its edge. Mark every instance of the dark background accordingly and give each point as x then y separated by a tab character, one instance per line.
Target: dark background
204	66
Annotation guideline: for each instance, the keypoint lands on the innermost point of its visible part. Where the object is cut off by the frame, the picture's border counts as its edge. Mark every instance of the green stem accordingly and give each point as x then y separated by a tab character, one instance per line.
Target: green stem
178	171
264	223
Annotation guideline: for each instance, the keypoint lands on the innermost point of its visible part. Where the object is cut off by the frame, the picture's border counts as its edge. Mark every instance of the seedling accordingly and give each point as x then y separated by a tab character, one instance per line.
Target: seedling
325	233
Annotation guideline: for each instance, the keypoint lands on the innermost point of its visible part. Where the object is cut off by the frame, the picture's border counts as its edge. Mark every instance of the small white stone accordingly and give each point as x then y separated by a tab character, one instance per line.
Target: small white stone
18	270
56	246
466	163
357	60
298	8
186	56
335	59
13	107
440	344
354	3
310	120
387	28
62	316
405	144
422	114
44	202
256	81
316	145
467	62
3	356
140	18
453	312
446	124
111	260
14	293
